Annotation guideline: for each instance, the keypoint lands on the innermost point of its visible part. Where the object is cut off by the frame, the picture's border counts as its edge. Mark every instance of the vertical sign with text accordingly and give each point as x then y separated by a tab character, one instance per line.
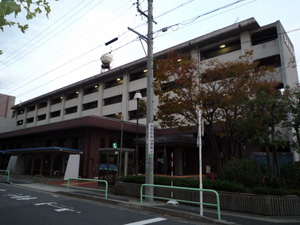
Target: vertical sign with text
151	140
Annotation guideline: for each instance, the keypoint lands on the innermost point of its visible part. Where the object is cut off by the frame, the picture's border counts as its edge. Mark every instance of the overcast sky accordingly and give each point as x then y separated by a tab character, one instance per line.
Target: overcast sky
67	46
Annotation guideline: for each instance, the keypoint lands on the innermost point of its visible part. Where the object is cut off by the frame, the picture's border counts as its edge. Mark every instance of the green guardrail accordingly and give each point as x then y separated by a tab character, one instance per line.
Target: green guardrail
94	189
6	172
179	200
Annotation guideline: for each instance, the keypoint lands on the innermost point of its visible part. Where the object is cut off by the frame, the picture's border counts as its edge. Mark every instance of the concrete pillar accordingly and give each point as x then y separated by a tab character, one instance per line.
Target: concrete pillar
100	99
42	164
80	101
126	164
32	164
246	44
63	163
125	96
51	165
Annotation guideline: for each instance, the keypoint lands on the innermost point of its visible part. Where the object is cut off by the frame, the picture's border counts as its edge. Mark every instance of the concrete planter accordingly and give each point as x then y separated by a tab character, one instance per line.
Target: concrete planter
268	205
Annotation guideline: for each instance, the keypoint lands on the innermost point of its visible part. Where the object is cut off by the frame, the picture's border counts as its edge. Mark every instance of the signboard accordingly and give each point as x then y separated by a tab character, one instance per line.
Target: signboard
151	140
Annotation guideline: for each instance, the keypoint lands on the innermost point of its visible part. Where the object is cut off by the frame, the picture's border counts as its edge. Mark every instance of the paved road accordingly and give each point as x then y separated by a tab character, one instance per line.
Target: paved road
22	206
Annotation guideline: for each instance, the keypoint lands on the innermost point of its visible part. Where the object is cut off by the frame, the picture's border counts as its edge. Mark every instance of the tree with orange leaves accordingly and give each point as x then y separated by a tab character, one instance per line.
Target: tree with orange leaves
220	89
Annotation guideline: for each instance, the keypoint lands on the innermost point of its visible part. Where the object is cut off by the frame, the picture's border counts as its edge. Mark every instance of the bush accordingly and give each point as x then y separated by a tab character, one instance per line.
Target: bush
243	171
133	179
291	175
223	185
268	191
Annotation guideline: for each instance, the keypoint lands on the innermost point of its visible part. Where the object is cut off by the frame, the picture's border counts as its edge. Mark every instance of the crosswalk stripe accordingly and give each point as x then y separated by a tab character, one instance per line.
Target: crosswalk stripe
143	222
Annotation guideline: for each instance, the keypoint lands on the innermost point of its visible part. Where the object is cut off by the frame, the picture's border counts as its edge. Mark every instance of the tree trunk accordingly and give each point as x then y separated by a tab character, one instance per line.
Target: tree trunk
215	151
268	159
275	155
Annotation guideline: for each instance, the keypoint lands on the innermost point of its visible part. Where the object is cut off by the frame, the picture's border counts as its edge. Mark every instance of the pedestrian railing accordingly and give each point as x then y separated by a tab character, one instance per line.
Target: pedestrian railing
87	188
5	173
180	200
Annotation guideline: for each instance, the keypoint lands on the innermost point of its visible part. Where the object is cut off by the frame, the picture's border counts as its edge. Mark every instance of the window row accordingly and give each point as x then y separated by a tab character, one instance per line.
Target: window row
257	37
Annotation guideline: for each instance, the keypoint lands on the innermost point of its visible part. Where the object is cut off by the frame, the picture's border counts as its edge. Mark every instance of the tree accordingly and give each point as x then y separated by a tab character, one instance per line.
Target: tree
293	121
261	118
219	88
10	8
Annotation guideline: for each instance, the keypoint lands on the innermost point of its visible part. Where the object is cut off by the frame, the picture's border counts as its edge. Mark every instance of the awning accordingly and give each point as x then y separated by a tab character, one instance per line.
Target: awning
42	150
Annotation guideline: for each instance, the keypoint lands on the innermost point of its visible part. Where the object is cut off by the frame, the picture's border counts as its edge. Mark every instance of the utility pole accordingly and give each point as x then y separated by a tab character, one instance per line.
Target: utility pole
149	118
149	157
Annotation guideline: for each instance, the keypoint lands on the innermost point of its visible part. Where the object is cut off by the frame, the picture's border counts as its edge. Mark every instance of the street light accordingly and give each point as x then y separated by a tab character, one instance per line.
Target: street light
137	96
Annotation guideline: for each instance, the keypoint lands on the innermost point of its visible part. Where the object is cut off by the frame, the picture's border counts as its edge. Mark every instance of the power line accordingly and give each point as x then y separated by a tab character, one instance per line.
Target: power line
20	56
11	84
23	46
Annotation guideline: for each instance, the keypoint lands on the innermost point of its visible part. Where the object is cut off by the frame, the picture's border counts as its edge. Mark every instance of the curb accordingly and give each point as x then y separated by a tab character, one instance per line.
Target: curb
161	211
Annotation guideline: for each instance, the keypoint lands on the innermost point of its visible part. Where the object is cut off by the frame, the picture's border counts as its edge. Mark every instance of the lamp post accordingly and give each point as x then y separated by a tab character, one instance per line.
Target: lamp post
137	96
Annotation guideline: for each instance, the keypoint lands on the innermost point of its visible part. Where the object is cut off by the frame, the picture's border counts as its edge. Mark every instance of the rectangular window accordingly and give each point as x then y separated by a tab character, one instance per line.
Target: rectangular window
273	61
133	115
138	75
21	111
115	116
29	120
143	93
90	105
72	95
41	117
55	114
31	108
56	100
264	36
90	90
71	110
113	100
222	49
114	83
42	104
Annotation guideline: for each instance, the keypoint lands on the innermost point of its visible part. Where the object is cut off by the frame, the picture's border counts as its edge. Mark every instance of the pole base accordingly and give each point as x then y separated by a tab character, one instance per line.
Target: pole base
172	202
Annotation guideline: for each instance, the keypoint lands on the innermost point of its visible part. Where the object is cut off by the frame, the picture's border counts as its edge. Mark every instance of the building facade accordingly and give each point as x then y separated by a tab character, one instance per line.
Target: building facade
88	115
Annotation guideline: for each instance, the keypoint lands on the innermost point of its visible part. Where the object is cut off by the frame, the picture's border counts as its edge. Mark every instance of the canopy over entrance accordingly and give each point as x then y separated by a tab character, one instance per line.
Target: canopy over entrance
42	150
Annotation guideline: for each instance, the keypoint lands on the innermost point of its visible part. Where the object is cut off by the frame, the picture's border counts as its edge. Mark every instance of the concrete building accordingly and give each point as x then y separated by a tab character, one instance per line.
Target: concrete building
6	113
87	115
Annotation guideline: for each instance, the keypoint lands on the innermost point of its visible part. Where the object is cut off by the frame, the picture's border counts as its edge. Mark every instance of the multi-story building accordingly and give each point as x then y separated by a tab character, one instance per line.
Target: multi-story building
87	115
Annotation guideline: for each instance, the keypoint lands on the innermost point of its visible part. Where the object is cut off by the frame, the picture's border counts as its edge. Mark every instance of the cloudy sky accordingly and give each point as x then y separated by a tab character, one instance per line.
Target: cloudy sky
67	46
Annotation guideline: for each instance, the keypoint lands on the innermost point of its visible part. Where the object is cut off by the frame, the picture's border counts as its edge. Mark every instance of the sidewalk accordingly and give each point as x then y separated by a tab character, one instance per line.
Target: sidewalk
182	211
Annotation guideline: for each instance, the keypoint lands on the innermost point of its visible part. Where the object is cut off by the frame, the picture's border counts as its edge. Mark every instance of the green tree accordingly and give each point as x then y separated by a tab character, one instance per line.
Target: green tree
9	8
294	118
261	118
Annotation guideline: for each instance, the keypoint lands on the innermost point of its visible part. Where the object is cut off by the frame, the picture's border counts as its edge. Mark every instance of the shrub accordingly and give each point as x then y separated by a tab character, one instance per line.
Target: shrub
243	171
268	191
223	185
291	175
133	179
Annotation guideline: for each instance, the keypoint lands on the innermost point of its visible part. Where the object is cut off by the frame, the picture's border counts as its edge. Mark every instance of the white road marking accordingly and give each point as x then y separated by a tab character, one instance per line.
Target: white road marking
58	207
143	222
2	189
21	197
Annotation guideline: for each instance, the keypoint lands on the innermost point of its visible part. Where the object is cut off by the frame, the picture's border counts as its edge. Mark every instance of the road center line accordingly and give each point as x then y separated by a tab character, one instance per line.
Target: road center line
143	222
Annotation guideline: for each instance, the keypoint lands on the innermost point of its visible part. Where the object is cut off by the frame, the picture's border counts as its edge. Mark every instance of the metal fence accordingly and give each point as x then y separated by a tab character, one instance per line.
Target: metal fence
87	188
181	200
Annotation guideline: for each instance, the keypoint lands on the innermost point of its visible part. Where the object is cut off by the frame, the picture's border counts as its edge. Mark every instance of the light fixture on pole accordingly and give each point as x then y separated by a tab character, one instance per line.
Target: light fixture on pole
137	96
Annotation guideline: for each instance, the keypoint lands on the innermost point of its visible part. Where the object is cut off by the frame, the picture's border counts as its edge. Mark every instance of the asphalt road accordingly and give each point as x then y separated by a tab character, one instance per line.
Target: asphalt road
22	206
